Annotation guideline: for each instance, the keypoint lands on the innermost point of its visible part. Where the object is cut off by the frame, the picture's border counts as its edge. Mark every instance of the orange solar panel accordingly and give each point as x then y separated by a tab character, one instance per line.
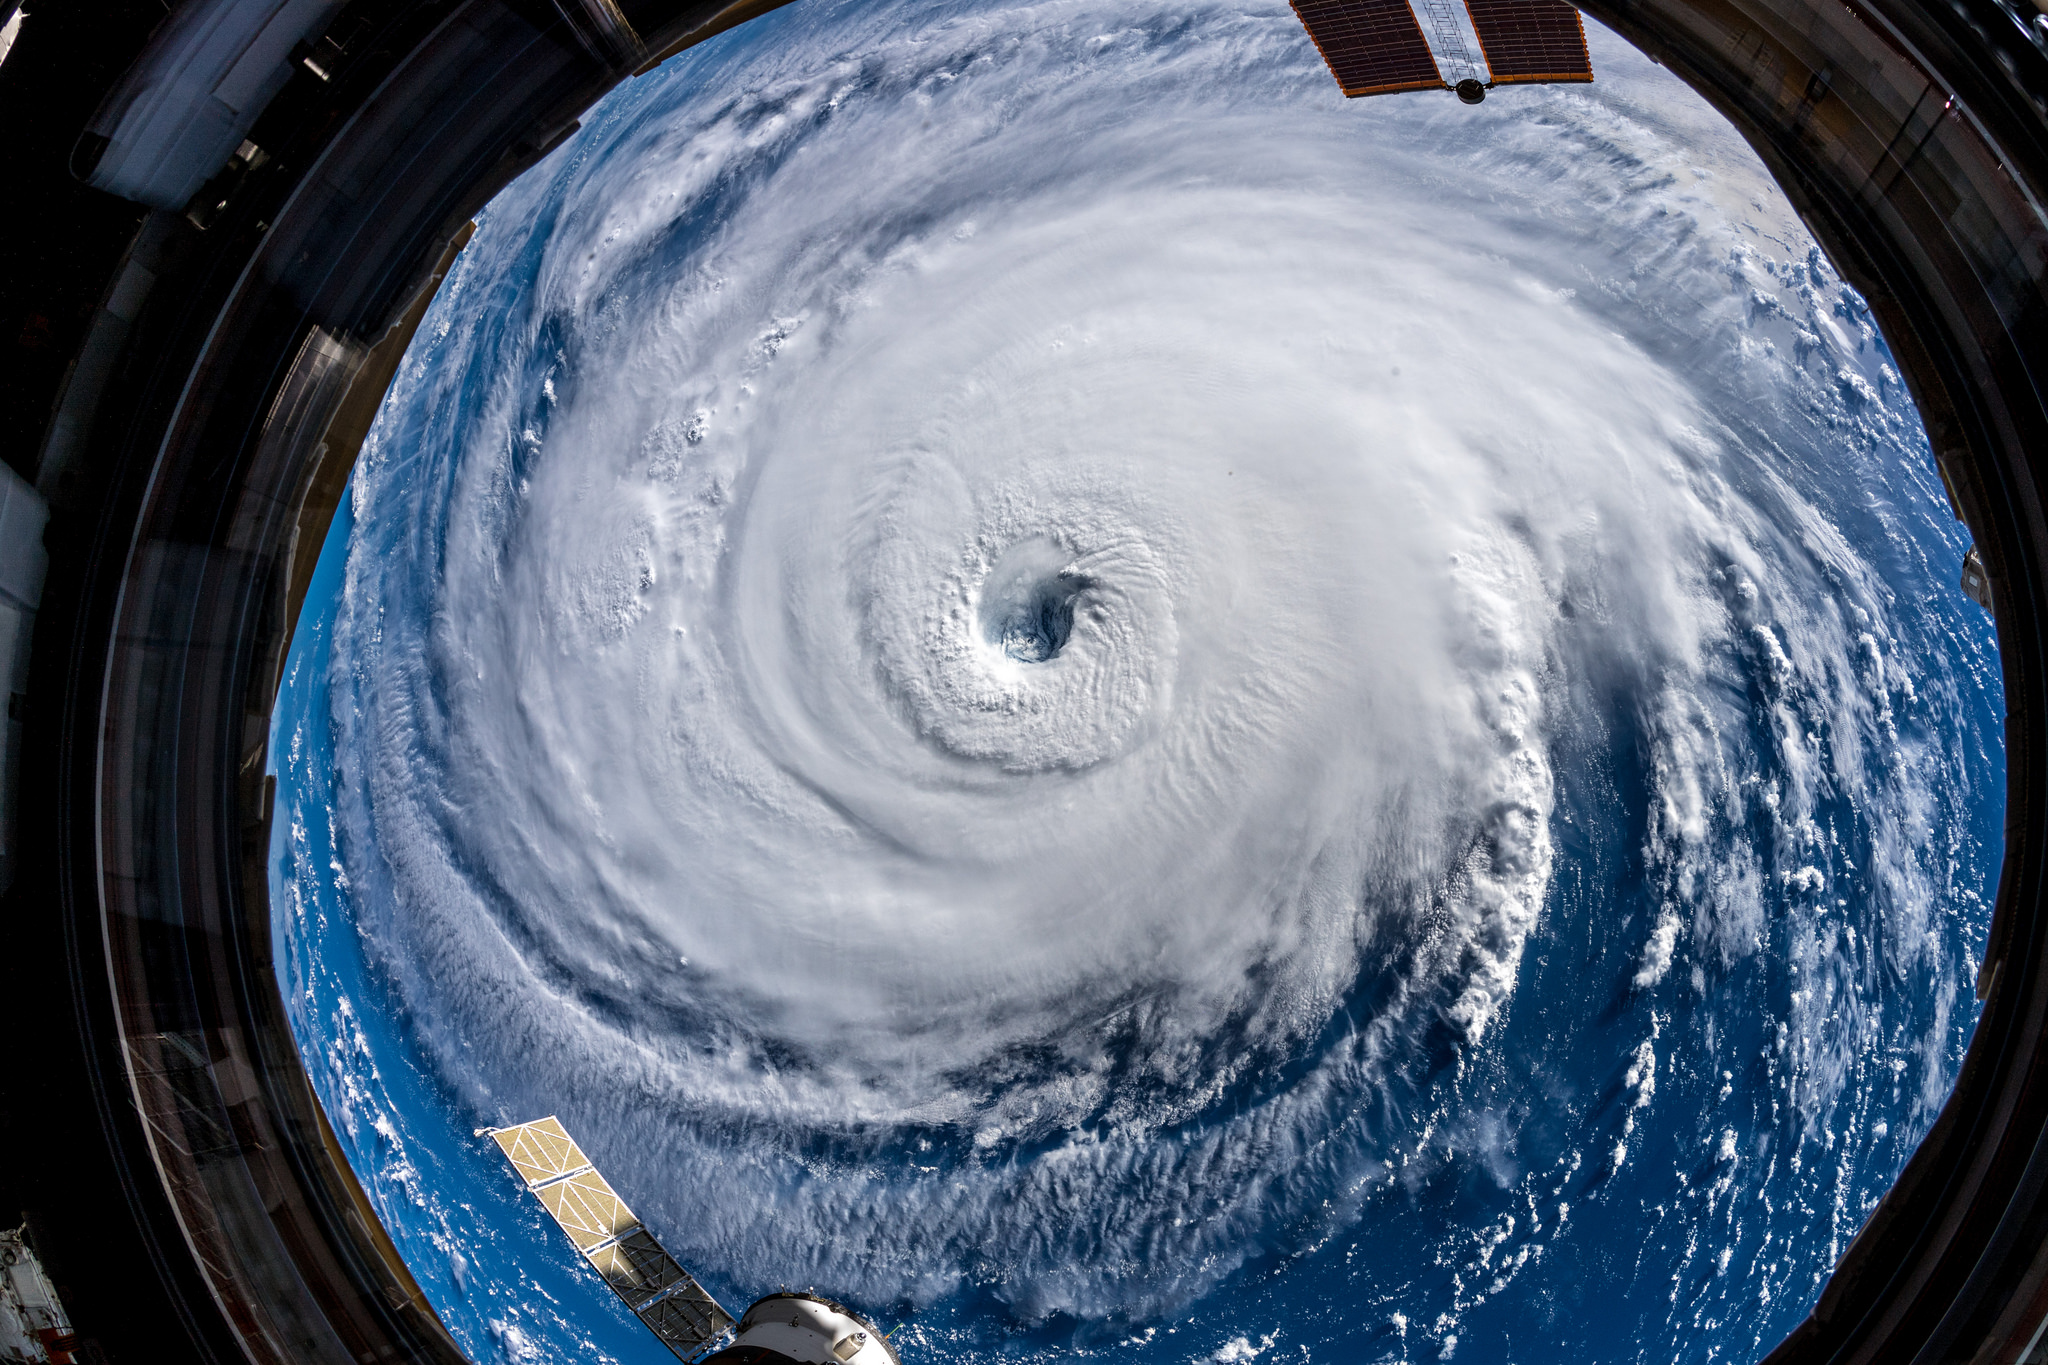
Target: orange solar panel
1373	47
1531	40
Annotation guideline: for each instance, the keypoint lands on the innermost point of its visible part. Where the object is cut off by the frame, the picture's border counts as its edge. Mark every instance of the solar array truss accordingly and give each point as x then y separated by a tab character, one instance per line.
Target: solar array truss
660	1292
1373	47
1527	41
1376	47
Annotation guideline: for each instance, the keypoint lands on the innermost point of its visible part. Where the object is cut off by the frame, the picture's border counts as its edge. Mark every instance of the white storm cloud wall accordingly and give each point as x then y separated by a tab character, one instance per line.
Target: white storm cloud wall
692	778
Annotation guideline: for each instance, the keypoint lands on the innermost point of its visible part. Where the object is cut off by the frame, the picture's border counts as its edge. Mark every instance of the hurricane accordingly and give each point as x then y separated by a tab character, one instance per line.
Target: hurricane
1044	676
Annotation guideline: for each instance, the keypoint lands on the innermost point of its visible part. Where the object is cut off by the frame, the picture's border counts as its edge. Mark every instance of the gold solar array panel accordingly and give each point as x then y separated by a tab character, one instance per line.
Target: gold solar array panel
541	1151
588	1209
1527	41
1373	47
661	1293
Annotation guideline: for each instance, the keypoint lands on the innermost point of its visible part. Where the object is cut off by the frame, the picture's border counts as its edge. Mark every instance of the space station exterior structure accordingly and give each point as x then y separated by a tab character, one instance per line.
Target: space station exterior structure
661	1293
1378	47
34	1329
790	1328
784	1328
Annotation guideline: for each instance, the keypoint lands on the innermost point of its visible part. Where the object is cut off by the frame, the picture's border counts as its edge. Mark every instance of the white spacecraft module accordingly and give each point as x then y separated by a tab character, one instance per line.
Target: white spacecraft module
805	1329
660	1292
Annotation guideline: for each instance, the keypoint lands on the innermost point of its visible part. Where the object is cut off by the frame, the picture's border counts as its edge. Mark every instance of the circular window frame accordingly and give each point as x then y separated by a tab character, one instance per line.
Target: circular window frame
203	441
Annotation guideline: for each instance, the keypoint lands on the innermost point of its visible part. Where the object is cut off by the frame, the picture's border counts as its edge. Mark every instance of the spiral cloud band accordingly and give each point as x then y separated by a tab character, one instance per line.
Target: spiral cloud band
976	639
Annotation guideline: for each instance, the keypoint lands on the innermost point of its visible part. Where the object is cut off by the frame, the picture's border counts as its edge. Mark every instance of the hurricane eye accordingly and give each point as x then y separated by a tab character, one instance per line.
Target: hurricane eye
1037	629
1028	599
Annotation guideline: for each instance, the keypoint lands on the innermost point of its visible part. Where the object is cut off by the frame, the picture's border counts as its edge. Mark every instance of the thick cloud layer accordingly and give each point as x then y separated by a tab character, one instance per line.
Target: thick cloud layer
965	631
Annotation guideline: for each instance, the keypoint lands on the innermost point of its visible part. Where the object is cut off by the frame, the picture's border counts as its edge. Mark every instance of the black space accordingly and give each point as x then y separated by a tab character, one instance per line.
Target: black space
60	240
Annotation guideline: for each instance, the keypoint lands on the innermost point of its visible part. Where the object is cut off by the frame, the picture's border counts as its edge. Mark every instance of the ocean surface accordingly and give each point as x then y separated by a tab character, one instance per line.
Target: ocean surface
1049	680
